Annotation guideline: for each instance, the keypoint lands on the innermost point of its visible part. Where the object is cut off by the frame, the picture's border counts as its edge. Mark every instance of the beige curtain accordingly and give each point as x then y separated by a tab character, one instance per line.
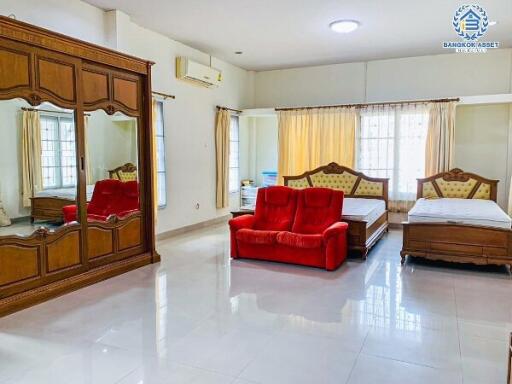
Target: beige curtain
440	138
31	156
154	114
309	138
88	163
222	124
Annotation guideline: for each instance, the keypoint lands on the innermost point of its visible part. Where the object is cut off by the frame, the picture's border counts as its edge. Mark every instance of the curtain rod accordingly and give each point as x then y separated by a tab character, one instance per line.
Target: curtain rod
50	111
229	109
164	95
362	105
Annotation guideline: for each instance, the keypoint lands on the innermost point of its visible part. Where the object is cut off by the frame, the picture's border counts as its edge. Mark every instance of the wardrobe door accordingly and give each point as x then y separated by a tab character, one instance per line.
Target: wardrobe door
40	233
114	220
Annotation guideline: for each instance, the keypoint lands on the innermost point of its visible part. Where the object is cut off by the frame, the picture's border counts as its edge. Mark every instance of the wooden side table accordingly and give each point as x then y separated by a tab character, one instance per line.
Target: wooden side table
241	212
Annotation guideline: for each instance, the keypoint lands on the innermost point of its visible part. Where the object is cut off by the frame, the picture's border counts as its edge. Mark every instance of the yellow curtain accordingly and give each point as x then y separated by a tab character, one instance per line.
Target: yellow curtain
88	161
440	138
222	124
154	154
309	138
32	178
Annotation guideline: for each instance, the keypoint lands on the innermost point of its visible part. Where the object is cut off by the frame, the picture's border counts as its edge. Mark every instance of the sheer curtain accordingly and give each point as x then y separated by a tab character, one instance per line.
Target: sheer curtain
391	143
309	138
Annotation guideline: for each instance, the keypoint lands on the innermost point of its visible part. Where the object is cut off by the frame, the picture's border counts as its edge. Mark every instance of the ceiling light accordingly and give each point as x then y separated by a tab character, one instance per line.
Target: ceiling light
344	26
494	22
238	52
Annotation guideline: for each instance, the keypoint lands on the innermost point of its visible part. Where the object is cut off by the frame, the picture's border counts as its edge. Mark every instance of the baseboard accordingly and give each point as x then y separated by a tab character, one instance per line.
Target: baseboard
193	227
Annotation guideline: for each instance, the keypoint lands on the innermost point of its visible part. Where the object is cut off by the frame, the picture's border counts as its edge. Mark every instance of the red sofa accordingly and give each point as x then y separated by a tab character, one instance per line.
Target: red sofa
110	197
293	226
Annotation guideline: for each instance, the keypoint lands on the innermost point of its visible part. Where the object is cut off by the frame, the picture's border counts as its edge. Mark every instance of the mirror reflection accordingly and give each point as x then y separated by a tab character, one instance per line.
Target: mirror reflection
111	167
38	175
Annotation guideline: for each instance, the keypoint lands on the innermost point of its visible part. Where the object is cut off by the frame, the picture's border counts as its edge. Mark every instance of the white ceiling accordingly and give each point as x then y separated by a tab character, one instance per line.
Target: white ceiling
292	33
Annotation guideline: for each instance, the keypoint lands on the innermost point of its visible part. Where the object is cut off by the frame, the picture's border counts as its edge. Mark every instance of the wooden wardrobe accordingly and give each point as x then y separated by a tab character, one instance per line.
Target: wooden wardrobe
38	66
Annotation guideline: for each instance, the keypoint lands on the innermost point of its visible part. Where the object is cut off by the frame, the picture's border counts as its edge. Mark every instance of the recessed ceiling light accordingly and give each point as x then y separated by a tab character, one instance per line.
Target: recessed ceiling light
238	52
344	26
494	22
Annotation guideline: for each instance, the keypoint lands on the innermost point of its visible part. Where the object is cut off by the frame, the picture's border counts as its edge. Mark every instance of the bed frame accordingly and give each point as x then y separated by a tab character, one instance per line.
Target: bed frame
457	242
353	184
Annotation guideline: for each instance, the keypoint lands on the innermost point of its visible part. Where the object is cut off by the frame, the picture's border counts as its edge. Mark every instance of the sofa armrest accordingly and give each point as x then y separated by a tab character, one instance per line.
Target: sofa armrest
335	229
240	222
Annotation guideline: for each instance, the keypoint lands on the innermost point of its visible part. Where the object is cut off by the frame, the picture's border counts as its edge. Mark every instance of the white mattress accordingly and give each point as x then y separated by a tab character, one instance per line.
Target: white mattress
368	210
66	193
461	211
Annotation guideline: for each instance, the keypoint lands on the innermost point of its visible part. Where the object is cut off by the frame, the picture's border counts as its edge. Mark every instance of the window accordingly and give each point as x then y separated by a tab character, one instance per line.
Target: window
58	155
160	155
234	171
391	143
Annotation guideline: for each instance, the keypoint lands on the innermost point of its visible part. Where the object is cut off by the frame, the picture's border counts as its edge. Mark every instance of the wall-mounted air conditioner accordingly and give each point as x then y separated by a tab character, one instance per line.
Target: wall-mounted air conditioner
204	75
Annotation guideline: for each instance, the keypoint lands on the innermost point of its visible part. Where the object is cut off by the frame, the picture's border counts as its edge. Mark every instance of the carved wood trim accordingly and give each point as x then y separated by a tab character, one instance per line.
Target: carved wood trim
125	168
20	31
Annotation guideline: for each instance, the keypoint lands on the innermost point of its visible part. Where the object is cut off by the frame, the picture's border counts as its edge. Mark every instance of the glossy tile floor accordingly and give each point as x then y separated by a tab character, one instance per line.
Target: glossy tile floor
200	318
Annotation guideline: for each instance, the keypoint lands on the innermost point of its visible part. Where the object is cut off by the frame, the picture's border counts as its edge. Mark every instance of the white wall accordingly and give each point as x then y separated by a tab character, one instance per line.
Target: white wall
387	80
481	143
111	143
189	120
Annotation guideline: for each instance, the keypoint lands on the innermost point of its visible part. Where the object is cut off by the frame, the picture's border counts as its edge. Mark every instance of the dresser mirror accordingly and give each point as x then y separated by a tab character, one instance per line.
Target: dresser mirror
112	170
38	167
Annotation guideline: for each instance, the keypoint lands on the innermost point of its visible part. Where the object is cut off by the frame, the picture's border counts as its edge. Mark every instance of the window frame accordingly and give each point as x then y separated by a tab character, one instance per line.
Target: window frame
395	138
231	141
160	138
57	151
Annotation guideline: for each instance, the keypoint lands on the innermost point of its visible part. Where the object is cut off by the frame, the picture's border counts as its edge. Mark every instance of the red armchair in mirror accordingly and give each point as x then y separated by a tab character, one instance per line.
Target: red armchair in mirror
110	197
293	226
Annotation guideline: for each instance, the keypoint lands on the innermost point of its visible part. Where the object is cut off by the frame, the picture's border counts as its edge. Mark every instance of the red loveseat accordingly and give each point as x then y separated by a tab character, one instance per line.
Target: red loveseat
110	197
293	226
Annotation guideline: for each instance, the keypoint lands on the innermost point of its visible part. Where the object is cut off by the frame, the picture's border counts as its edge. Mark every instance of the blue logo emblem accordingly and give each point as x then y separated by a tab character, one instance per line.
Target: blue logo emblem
470	22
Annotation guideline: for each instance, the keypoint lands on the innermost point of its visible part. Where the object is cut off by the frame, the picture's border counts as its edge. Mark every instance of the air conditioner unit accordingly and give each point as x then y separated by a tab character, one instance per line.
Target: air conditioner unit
204	75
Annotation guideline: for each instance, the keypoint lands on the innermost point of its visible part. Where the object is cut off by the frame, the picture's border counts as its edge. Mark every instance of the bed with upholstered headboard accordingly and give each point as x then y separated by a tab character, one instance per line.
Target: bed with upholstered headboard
456	218
364	206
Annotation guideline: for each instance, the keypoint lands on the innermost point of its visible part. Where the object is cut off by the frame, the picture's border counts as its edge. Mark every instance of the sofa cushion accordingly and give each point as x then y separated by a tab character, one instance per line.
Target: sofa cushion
253	236
317	209
297	240
275	208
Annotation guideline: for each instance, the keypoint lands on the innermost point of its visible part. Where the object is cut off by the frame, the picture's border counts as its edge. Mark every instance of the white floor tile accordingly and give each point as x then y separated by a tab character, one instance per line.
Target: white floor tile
200	317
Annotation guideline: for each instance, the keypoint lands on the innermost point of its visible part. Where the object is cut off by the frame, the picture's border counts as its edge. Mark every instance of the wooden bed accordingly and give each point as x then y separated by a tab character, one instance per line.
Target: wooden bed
455	242
361	237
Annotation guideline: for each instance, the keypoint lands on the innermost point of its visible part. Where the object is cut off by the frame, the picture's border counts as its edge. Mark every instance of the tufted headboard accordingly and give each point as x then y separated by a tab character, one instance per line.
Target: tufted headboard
458	184
126	172
335	176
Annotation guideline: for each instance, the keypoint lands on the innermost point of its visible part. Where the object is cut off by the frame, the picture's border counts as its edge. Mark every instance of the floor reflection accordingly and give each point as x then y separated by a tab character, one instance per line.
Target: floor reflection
200	317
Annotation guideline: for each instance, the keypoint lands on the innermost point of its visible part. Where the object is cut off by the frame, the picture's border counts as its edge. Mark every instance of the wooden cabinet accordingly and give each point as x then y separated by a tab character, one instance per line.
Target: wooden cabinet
39	66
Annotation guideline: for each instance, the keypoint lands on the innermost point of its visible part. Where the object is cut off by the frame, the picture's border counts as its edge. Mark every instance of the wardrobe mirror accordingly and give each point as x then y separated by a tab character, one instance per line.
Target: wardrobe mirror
38	176
111	149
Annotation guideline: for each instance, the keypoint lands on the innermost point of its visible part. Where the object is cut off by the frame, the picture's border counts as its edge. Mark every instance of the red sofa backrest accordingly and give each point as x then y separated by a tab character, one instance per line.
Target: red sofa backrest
104	197
128	197
275	208
317	209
